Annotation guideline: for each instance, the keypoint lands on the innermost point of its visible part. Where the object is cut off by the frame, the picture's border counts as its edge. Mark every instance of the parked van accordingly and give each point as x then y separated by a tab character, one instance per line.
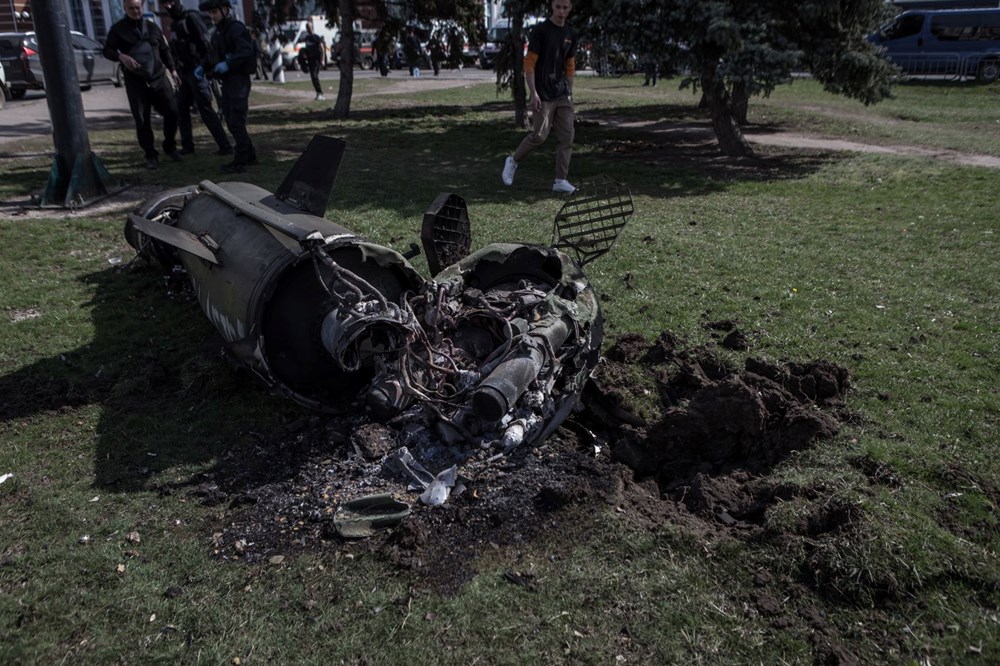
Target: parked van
953	42
293	35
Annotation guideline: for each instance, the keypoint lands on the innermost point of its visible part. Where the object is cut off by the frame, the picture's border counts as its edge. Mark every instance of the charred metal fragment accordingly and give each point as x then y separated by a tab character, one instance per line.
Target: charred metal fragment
446	233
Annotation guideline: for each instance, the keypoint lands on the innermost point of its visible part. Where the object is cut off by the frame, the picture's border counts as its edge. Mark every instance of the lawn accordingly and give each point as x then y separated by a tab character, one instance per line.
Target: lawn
126	436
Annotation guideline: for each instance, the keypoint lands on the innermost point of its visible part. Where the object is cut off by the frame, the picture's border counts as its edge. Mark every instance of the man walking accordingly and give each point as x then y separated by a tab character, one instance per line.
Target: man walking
413	52
190	44
232	62
313	52
138	44
548	70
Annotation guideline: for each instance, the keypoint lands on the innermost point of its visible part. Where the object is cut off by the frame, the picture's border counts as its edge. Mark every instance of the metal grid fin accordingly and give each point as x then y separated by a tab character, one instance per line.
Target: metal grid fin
590	221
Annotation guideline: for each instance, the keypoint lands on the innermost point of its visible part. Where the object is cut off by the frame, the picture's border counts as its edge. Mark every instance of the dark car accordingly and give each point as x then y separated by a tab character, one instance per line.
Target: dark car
19	56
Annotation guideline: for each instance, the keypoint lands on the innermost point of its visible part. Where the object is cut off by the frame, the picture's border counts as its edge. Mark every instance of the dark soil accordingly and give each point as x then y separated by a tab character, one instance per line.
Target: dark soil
702	463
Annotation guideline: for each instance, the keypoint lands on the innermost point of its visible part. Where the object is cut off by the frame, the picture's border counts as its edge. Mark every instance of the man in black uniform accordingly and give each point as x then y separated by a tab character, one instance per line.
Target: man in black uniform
548	70
313	52
435	48
138	44
231	61
190	44
413	52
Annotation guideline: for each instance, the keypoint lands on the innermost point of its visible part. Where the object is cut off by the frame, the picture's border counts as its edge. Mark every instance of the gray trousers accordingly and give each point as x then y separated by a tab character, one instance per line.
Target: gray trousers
556	116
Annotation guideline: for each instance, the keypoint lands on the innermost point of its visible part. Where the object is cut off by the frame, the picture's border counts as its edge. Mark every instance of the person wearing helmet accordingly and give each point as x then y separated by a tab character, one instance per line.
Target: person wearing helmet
231	60
190	44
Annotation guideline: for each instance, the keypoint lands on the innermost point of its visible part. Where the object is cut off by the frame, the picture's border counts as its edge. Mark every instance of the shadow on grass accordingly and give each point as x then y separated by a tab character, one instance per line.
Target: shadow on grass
401	158
167	399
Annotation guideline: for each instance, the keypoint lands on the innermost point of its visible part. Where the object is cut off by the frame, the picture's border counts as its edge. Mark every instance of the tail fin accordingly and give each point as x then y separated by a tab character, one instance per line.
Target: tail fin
310	181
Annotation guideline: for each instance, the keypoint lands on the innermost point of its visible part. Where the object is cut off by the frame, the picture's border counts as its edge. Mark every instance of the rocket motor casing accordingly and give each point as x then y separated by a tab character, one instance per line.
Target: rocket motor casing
264	296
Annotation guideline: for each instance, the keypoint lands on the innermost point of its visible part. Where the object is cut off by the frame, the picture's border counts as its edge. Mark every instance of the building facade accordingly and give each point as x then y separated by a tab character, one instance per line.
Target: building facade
91	17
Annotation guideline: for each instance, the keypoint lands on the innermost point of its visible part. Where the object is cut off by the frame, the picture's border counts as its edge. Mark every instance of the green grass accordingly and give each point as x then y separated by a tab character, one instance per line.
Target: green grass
887	265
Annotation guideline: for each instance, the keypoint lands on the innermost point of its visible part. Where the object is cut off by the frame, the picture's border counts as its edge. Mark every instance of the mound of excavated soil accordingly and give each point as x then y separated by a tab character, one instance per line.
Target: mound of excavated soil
709	432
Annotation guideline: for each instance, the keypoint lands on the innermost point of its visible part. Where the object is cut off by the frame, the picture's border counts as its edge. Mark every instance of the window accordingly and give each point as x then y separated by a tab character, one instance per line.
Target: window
84	43
905	26
966	28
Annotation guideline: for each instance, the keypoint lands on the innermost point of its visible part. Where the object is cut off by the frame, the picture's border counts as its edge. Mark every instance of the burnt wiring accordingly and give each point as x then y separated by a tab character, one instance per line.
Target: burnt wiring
356	284
452	339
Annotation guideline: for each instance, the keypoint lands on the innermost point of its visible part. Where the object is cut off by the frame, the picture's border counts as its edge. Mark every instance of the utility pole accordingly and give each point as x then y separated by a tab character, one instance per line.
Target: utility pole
77	175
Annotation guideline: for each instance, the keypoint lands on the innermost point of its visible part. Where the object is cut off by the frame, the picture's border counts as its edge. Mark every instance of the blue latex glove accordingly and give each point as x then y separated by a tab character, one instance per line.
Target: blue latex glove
222	67
199	72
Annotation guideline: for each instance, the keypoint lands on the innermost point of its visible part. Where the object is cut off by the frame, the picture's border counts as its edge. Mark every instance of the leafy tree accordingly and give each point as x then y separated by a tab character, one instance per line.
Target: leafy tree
736	49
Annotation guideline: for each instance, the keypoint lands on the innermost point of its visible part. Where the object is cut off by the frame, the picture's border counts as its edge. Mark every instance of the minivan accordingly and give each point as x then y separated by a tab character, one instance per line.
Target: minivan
951	42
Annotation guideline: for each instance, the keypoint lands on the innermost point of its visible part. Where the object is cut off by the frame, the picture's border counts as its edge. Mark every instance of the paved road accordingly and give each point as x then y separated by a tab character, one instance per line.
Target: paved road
106	106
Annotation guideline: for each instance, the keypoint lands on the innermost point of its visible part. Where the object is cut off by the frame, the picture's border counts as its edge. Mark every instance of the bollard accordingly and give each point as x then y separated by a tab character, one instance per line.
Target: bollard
277	71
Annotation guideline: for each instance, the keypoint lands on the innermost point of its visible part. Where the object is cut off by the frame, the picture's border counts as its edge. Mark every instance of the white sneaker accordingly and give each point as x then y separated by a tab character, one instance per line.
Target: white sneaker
320	96
509	167
563	186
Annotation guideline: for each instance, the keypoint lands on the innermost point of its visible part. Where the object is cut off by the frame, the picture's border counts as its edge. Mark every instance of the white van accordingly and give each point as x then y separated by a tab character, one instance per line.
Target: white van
497	35
293	35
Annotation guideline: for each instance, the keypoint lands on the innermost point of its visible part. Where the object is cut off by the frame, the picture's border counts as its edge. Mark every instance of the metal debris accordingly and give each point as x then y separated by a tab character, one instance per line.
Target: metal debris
490	354
361	517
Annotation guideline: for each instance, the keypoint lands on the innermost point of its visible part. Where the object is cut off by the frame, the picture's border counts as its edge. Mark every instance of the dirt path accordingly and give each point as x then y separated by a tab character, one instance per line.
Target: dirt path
701	132
792	140
397	86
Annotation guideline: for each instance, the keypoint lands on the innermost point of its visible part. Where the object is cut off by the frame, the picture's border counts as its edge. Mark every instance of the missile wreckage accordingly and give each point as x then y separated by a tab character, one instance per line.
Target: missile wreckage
489	353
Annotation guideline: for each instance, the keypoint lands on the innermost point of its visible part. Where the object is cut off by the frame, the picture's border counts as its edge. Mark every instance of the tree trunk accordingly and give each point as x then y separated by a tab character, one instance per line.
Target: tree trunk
727	132
517	81
342	107
740	103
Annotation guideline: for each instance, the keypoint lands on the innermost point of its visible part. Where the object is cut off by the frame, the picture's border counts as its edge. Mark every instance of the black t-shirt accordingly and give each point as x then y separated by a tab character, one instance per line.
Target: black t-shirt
314	47
554	46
